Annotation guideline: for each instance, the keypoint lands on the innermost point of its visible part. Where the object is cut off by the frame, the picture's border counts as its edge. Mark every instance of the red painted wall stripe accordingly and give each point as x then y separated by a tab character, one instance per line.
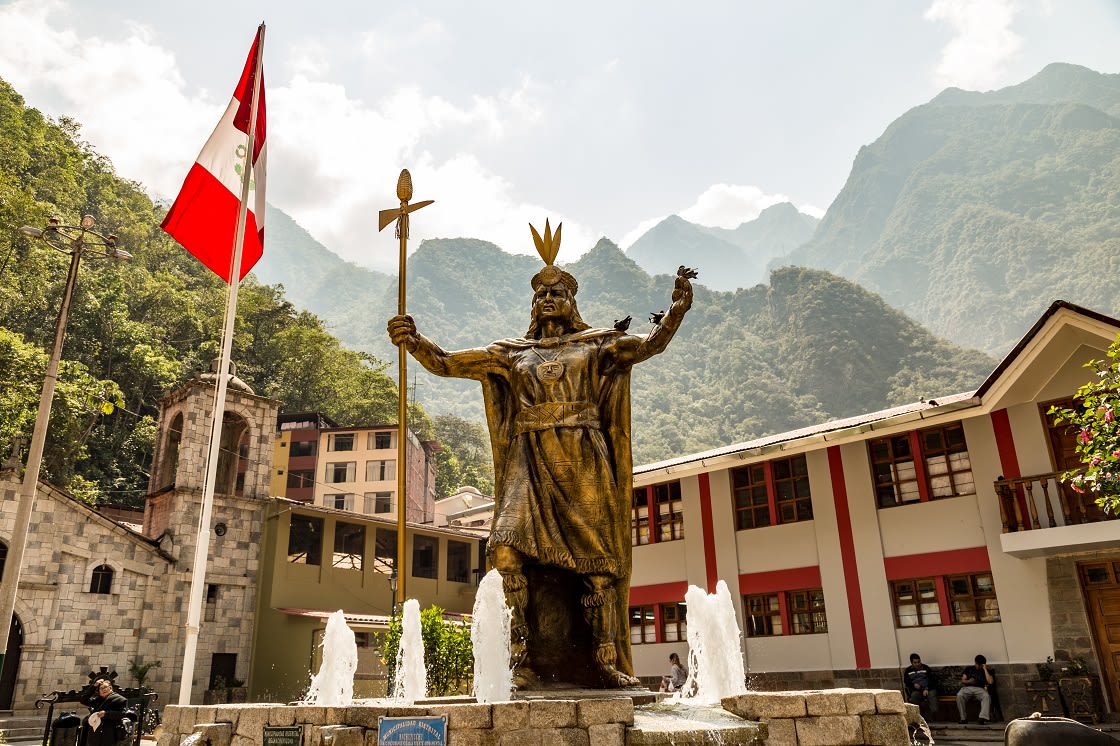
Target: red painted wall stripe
848	558
943	600
951	562
1008	460
709	536
658	593
791	579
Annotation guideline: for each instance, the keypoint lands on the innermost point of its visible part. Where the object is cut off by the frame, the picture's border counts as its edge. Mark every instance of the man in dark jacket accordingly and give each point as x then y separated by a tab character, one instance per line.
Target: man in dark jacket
920	683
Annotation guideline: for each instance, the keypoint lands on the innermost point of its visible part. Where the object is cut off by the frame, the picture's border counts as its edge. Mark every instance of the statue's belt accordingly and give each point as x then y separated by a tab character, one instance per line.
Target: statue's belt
557	414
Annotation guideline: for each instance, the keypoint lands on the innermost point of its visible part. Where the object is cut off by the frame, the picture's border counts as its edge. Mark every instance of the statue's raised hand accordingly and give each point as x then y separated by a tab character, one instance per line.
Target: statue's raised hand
402	331
683	287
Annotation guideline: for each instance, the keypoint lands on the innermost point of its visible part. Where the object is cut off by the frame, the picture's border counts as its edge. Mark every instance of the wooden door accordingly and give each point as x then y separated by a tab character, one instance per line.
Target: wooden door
1101	584
1063	452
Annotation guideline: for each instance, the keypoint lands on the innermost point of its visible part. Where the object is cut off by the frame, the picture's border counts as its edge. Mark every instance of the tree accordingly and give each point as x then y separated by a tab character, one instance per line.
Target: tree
466	458
448	654
1098	437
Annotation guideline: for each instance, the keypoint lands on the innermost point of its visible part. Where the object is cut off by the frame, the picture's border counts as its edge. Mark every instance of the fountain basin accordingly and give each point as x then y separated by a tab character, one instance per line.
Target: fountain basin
682	724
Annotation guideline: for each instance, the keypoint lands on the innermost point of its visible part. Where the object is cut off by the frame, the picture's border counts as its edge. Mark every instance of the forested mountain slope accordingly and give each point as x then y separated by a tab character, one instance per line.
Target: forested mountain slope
973	212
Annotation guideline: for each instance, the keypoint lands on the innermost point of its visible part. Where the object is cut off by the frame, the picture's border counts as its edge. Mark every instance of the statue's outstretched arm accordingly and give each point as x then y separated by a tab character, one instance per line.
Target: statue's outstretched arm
630	349
473	363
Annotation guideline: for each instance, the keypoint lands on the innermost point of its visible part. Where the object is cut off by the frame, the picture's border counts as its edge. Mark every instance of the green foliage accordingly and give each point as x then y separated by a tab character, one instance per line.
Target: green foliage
448	654
1098	437
1046	670
973	212
139	669
138	329
466	458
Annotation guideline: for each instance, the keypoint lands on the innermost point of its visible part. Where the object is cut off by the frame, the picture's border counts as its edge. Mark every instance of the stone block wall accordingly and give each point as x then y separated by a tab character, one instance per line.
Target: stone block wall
836	717
590	722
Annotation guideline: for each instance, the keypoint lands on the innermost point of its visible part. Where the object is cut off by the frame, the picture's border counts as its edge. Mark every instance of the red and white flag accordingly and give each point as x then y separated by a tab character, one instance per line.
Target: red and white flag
204	216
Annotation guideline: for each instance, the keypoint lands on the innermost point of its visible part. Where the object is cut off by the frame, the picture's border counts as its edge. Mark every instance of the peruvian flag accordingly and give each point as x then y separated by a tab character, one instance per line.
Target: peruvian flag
204	216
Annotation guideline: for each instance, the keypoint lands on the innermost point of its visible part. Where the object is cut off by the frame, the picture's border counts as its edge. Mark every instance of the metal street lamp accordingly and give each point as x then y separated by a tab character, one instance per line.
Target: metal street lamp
75	240
393	588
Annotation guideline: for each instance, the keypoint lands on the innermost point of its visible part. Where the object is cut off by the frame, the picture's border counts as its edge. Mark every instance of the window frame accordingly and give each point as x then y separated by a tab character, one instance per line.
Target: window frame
461	565
310	528
422	565
646	614
101	580
766	616
348	472
341	442
776	492
348	537
375	441
810	619
656	513
976	598
674	622
924	470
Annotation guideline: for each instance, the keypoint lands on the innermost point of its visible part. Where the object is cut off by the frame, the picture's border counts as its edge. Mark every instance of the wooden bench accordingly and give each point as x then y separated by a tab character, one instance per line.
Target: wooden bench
947	682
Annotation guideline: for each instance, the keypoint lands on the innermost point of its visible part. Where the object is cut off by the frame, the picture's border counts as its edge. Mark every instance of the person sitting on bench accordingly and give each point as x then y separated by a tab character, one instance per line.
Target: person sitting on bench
920	684
976	683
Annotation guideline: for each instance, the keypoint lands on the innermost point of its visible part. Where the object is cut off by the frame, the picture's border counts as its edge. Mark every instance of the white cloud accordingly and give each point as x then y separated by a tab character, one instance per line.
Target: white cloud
982	44
333	159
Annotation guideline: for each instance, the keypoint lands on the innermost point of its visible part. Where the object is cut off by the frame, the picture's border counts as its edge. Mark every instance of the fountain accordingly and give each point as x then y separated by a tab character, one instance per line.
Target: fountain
410	683
715	654
334	684
490	637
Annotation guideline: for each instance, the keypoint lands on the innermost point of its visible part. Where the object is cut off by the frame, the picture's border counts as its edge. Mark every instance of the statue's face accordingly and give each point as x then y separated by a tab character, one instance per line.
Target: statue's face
552	303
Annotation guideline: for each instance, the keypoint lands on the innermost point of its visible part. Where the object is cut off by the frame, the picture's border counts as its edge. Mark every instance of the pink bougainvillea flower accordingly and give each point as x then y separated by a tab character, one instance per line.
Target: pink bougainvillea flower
1084	436
1108	416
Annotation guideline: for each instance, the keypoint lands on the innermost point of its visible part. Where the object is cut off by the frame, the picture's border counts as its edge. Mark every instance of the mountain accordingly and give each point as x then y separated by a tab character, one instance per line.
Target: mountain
972	212
804	348
730	258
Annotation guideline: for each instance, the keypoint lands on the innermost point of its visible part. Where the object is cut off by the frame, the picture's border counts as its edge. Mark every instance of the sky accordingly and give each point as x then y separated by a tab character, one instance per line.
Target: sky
606	115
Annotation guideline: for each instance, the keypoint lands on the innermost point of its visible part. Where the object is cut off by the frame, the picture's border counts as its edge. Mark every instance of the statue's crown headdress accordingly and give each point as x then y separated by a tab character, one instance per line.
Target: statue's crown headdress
548	247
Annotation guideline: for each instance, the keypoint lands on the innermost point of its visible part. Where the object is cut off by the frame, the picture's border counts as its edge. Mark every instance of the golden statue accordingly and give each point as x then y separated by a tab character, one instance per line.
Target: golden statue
558	410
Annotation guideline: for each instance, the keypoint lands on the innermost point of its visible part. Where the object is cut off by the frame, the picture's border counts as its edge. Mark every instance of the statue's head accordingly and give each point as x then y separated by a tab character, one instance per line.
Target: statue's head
554	290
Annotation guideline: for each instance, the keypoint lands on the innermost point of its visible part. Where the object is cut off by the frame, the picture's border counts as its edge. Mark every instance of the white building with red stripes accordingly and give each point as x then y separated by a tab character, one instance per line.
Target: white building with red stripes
937	527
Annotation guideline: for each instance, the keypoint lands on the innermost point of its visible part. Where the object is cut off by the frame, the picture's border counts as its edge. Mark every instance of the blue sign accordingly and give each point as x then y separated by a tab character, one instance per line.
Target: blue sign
426	731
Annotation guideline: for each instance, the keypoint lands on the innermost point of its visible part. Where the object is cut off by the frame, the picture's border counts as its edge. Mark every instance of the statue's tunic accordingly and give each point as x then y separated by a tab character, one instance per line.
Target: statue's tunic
558	492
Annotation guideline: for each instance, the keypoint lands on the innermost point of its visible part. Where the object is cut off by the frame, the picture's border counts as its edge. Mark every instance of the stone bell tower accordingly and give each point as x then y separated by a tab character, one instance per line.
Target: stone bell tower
183	443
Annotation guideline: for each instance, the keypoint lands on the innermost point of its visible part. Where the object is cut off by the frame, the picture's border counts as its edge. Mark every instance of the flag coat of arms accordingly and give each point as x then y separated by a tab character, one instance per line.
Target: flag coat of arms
203	218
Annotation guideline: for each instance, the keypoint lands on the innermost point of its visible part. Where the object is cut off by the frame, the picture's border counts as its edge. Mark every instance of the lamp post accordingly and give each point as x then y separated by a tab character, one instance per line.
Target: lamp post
75	240
393	588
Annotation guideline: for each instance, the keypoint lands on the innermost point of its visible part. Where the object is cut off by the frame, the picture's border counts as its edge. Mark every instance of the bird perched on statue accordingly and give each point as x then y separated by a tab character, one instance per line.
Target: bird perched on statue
622	325
656	316
683	271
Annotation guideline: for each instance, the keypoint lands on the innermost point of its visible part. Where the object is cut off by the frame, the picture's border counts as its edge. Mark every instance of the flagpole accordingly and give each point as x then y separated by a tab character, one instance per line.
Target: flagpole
202	545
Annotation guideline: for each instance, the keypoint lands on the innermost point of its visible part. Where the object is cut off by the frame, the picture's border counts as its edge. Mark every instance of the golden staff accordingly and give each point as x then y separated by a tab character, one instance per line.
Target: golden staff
400	215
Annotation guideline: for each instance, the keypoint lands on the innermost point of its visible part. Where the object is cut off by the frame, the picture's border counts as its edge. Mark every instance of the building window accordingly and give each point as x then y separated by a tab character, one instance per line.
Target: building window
764	614
340	442
339	501
673	625
381	471
341	471
806	612
211	602
771	493
656	514
365	639
643	625
101	581
425	556
791	489
385	550
921	465
639	519
349	546
458	561
302	448
379	441
305	540
947	462
301	478
670	518
915	602
378	502
972	598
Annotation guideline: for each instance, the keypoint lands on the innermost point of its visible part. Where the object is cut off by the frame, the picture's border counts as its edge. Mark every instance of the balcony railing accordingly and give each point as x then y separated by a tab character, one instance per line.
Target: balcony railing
1021	498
